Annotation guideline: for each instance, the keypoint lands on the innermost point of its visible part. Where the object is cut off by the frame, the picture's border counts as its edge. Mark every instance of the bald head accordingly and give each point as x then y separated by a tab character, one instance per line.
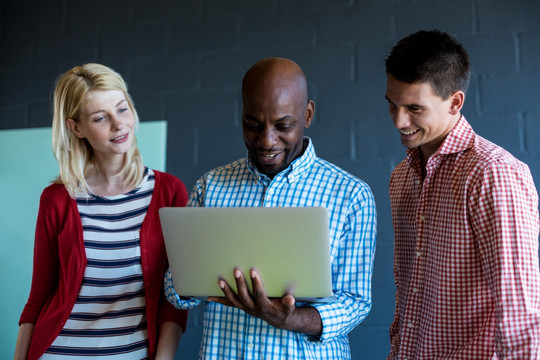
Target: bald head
276	75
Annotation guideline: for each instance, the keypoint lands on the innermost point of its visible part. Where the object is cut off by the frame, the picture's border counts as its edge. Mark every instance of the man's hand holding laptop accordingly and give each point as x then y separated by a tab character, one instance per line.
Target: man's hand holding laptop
281	313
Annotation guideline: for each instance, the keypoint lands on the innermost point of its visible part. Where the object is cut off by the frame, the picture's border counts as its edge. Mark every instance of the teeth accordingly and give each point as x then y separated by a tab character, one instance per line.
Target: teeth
120	137
407	132
268	157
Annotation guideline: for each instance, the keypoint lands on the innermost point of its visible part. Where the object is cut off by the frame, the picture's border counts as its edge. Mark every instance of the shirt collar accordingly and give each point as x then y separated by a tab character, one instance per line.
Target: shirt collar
460	138
294	170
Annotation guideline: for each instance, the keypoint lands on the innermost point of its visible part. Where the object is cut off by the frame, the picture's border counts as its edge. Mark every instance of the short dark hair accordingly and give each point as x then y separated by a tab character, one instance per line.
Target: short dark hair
432	57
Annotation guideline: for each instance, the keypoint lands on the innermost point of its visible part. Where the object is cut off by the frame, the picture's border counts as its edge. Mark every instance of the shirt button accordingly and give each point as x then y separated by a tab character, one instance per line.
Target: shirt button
421	217
417	182
144	251
418	254
410	325
414	290
251	346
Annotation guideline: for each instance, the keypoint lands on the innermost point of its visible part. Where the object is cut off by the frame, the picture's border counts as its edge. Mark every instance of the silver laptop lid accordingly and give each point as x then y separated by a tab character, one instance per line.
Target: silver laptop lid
288	246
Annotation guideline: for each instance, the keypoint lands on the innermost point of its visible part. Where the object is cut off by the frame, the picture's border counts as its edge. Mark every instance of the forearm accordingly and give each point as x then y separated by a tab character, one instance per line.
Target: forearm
168	339
24	338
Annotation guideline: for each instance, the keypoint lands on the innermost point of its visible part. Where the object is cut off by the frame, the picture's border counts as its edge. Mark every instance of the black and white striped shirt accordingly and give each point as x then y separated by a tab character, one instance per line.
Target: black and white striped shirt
108	319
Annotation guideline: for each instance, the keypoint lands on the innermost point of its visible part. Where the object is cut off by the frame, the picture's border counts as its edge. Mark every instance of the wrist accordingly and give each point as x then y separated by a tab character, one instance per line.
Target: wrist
305	320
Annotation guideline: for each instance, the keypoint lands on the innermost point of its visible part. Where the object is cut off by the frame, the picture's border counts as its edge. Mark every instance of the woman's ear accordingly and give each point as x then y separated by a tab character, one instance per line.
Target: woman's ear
74	128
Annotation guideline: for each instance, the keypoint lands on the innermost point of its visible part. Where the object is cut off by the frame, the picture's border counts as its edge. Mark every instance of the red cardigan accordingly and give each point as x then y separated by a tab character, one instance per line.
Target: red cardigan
60	261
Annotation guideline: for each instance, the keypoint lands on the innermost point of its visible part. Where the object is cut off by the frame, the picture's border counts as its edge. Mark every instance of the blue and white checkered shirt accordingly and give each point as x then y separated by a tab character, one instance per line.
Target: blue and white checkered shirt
230	333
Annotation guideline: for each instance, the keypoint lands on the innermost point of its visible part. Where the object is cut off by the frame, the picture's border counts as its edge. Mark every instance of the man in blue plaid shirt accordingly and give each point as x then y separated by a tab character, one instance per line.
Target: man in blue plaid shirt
281	169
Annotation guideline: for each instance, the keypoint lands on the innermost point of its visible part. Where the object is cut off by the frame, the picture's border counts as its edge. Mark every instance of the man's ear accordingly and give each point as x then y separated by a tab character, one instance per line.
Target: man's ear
457	101
310	112
74	128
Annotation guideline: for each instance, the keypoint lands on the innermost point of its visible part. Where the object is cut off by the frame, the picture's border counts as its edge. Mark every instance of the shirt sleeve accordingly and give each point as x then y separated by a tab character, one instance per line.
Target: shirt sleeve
394	330
46	260
196	197
170	293
175	299
352	268
505	221
177	197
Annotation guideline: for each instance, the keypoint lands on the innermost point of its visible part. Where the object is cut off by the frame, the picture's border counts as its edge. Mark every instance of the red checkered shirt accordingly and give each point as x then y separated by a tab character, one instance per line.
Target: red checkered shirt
466	254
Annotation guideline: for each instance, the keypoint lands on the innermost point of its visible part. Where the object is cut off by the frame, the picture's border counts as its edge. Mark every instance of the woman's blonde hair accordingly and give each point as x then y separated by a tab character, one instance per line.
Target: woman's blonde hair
75	156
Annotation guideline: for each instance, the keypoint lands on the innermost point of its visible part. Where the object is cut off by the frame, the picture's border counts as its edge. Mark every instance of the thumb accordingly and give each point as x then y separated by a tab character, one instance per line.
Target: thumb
288	302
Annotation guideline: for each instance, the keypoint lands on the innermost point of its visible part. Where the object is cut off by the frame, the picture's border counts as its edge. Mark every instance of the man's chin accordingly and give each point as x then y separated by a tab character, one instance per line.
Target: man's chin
270	170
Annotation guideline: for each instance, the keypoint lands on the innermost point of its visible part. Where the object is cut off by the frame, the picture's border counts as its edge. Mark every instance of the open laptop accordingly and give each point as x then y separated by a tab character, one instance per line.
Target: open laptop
288	246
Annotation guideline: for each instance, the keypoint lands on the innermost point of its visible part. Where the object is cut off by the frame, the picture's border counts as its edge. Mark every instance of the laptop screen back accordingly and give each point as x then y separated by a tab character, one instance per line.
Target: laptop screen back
288	246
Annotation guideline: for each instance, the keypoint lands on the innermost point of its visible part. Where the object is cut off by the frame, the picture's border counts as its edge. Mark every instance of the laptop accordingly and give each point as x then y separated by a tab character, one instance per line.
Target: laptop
288	246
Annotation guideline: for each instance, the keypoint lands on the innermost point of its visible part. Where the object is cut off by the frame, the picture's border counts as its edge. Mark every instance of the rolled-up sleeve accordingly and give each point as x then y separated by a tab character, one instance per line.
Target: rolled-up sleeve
352	269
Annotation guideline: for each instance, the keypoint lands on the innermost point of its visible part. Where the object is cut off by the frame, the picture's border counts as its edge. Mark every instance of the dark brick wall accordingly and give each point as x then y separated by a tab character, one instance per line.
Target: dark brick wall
184	61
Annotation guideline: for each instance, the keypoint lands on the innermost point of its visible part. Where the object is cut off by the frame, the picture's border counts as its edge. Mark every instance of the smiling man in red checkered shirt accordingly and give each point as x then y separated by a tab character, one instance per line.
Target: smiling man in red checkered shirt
465	216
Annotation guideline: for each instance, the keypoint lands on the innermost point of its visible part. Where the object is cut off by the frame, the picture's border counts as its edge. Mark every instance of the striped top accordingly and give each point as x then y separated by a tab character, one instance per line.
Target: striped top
108	319
230	333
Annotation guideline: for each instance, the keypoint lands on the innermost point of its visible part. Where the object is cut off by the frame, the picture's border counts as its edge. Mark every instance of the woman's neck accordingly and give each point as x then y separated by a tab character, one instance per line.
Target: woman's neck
107	178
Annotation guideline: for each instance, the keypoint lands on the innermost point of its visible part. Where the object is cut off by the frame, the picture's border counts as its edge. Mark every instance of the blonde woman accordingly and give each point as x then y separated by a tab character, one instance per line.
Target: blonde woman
99	257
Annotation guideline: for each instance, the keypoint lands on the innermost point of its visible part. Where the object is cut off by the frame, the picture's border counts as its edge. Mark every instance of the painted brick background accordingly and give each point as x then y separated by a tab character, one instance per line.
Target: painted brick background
184	61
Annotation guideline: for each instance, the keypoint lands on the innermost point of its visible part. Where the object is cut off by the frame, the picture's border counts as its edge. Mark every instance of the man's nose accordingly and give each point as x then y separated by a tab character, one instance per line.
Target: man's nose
401	118
268	138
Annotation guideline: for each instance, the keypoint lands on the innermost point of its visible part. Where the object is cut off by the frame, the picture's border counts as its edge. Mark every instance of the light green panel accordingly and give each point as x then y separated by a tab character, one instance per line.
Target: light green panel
27	166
